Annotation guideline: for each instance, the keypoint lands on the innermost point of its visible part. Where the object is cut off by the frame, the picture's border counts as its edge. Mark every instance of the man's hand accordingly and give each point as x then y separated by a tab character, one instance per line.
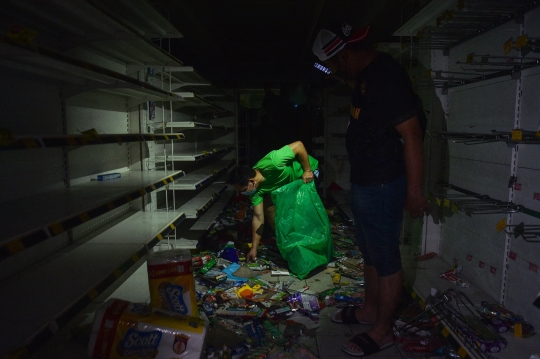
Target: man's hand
417	205
252	255
302	156
307	176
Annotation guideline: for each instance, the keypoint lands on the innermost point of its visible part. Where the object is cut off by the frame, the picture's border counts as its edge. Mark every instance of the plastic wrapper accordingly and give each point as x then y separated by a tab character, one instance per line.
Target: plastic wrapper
125	330
302	227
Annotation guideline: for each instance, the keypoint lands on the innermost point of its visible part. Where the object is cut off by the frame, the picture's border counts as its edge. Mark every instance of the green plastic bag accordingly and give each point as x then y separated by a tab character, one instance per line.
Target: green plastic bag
302	227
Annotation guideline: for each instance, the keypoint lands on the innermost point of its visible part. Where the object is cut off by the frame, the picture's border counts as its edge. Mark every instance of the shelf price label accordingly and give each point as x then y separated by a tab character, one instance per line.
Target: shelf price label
462	352
508	46
501	225
521	41
517	135
447	202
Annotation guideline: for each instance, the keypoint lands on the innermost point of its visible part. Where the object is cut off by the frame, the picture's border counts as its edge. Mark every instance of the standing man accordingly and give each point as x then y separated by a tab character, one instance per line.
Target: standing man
276	169
384	144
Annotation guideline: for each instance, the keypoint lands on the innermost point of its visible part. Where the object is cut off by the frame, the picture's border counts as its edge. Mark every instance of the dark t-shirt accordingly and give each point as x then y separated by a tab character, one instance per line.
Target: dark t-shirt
383	98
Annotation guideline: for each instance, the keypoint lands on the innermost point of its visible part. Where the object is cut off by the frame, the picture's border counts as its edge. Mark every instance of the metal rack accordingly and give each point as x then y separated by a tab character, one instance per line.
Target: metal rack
446	307
529	232
511	138
475	203
451	23
476	70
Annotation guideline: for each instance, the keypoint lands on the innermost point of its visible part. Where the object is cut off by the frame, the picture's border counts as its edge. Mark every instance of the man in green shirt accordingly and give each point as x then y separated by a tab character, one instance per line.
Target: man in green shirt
276	169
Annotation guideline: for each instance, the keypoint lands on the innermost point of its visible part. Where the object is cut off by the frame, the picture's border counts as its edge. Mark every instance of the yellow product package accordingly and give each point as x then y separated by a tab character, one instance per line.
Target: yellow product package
172	286
125	330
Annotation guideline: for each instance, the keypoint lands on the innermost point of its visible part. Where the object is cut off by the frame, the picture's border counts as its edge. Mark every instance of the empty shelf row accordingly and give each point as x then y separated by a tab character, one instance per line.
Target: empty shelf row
122	31
81	76
28	222
71	279
193	154
12	142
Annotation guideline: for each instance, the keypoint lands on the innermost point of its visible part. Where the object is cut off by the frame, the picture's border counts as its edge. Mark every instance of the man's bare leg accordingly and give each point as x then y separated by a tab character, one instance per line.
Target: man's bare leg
368	314
389	296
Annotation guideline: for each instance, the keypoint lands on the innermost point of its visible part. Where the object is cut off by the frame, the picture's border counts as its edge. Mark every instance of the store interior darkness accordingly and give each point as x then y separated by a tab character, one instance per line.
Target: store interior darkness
284	118
266	46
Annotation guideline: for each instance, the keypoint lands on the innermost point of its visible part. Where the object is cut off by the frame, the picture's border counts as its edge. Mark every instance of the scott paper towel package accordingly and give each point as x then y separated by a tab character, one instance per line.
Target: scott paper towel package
125	330
172	286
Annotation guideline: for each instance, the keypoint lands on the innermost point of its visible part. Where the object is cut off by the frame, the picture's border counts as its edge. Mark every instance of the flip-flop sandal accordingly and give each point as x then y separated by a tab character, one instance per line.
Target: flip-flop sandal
367	345
347	316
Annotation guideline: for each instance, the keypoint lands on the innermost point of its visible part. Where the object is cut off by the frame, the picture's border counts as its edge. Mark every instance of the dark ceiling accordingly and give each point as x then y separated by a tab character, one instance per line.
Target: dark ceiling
238	43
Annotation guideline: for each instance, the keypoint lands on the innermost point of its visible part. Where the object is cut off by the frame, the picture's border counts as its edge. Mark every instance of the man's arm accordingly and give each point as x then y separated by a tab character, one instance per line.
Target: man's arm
301	155
258	227
413	152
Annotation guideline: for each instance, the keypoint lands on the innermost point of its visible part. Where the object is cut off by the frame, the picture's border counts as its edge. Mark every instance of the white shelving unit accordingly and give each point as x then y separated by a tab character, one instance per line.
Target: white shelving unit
75	205
207	219
336	164
193	155
198	205
202	177
479	82
46	297
87	92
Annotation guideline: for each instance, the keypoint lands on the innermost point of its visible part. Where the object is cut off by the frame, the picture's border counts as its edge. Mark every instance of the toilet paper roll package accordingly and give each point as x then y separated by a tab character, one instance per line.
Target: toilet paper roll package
172	286
125	330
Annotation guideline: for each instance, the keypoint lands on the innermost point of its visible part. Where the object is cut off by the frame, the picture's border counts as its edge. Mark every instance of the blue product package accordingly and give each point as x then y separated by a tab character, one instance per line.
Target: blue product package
108	176
230	270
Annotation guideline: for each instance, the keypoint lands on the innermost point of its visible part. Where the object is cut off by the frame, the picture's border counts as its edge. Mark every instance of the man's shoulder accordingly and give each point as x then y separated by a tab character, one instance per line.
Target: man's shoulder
385	62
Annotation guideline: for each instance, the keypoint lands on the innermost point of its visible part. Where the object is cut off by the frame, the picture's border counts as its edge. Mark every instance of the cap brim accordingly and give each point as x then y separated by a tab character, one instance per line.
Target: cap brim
359	35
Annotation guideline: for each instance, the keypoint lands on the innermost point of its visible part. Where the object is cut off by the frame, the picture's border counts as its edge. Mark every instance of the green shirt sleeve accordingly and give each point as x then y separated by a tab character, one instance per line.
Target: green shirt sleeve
279	167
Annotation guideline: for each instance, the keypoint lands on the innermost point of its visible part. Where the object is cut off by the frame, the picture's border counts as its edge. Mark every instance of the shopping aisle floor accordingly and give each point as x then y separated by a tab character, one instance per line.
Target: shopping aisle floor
330	336
324	341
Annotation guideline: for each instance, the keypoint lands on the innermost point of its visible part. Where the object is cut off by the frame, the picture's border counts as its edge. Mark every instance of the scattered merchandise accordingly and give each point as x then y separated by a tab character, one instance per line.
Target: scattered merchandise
108	176
263	309
500	319
451	275
426	256
172	287
123	329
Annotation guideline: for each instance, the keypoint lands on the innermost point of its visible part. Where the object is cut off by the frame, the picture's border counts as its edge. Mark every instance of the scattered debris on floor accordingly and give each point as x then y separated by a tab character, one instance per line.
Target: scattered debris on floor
246	311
